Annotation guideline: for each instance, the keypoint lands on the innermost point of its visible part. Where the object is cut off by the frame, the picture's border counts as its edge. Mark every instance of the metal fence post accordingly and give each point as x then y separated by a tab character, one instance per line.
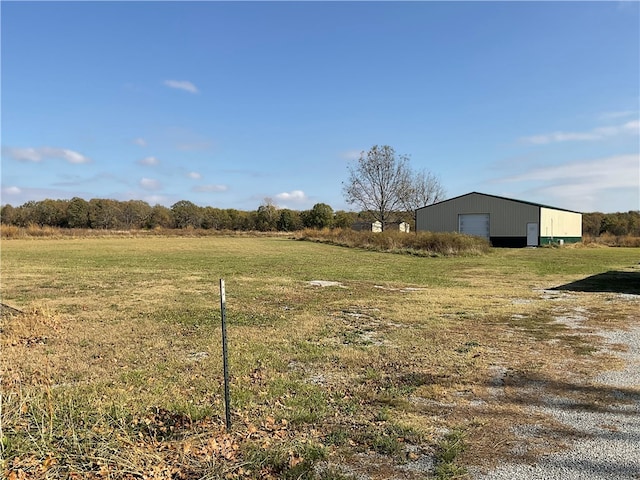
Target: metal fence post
225	362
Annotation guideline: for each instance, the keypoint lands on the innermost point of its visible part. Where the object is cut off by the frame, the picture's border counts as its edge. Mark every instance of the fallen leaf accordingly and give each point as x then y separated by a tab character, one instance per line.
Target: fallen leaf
48	463
293	461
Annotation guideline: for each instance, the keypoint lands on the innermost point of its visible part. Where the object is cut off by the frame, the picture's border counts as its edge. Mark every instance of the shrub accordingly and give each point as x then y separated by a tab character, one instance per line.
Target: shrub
11	231
421	243
610	240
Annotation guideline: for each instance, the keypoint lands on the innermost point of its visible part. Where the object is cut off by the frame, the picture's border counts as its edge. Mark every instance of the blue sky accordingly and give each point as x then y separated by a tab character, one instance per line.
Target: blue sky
225	104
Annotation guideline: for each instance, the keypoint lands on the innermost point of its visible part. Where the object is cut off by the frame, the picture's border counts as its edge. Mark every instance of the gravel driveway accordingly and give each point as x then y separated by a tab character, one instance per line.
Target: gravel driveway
608	446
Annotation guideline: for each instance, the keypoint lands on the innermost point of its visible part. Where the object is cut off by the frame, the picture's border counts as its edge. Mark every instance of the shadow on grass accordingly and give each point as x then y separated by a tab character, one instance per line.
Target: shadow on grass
612	281
7	311
568	396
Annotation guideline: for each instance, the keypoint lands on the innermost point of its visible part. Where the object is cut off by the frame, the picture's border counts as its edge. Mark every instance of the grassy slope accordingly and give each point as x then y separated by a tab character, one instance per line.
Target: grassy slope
116	366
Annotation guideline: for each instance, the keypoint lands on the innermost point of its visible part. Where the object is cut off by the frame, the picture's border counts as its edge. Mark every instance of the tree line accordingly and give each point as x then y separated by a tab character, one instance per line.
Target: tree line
618	224
136	214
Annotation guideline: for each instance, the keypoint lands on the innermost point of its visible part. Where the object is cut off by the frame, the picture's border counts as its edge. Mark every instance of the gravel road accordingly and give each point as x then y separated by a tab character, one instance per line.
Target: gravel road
610	446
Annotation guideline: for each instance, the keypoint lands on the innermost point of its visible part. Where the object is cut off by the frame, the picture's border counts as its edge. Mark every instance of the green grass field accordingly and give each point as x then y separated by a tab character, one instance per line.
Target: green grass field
114	370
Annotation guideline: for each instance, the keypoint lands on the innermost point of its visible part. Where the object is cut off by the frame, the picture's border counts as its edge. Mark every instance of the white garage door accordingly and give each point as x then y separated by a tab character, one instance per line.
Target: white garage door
474	224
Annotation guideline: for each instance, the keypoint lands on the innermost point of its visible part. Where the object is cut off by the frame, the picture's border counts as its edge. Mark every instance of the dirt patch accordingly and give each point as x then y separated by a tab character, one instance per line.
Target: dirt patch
325	283
573	424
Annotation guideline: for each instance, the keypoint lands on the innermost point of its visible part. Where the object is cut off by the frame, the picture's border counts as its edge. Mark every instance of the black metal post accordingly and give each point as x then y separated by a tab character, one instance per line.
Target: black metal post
225	362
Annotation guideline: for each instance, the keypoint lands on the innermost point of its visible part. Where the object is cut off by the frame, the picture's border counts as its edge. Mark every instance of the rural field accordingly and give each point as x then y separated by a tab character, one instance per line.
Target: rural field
344	363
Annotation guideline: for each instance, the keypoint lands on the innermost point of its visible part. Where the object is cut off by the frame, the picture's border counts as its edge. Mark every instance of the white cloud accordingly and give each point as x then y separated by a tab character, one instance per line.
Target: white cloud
150	184
600	133
70	156
38	154
149	161
295	196
11	191
210	188
156	199
181	85
141	142
194	175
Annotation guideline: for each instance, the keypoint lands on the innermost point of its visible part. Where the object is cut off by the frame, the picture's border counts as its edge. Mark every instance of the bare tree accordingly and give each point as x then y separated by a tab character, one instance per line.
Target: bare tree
378	182
383	183
423	189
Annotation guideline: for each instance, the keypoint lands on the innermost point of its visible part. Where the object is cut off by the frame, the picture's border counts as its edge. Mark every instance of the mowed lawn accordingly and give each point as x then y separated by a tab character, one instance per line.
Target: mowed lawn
113	368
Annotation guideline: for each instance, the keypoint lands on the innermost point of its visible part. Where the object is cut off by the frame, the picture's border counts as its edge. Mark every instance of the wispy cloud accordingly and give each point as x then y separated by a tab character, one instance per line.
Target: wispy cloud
584	185
100	178
149	161
628	6
350	154
194	146
15	195
141	142
616	171
599	133
606	116
210	188
187	140
295	196
194	175
150	184
39	154
181	85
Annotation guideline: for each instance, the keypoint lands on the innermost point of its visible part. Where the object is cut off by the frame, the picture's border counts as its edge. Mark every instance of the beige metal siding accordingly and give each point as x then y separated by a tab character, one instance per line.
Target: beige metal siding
508	218
560	224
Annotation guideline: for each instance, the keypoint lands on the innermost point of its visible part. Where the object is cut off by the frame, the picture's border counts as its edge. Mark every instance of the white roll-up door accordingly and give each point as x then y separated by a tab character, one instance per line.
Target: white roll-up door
474	224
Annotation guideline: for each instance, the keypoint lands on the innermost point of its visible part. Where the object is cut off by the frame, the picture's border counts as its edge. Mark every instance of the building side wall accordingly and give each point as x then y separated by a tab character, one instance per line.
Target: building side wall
558	225
507	218
367	226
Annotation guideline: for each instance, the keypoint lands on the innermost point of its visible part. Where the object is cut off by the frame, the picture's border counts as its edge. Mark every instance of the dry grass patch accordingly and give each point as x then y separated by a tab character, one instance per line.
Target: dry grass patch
115	370
420	243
